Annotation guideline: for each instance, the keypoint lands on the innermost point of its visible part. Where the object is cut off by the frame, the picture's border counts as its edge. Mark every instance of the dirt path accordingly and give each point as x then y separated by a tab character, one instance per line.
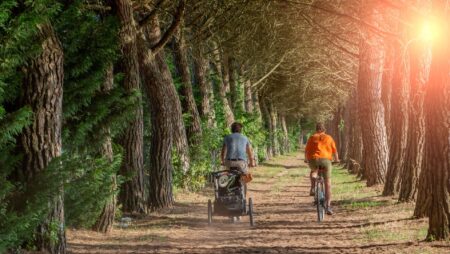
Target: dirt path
285	222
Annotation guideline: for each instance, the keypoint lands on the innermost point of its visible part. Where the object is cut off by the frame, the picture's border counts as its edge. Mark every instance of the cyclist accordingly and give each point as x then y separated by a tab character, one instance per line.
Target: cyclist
236	150
319	152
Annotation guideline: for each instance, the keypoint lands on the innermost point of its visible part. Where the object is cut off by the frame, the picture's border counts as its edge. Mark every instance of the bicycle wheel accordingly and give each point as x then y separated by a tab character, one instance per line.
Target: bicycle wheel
320	198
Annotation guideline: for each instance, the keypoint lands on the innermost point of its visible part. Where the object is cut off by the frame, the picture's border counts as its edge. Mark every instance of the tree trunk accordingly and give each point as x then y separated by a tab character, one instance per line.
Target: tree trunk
420	66
248	100
223	88
345	134
231	72
41	140
180	142
274	130
105	222
158	83
285	144
132	193
355	136
386	89
193	129
268	126
256	104
371	110
201	67
437	124
399	118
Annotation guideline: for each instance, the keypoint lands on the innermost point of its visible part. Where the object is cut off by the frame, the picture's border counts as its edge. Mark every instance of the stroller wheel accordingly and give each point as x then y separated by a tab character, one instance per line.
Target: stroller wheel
209	212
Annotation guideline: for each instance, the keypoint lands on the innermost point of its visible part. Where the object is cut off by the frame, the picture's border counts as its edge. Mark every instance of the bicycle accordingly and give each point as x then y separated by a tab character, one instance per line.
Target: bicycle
320	198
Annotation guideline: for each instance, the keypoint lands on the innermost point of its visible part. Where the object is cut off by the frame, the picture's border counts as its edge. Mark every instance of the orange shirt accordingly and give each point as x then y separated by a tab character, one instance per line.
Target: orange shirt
320	146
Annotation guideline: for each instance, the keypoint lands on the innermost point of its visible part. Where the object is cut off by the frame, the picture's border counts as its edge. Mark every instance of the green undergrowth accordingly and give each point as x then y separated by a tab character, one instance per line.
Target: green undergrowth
352	192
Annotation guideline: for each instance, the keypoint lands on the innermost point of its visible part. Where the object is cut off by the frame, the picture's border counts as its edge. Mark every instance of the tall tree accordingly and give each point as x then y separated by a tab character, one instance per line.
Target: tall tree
274	129
386	88
420	67
399	113
189	107
201	70
166	117
41	141
132	193
371	110
105	221
222	72
248	98
285	134
437	124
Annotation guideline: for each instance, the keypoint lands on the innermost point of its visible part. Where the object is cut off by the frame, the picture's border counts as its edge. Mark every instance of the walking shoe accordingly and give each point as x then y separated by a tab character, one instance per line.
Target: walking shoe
312	192
329	211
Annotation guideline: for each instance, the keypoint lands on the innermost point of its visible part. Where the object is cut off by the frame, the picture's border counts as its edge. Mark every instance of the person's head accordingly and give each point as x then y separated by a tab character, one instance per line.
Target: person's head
320	127
236	127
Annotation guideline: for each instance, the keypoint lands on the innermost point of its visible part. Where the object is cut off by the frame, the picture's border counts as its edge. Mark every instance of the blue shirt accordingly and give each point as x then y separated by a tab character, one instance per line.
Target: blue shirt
236	145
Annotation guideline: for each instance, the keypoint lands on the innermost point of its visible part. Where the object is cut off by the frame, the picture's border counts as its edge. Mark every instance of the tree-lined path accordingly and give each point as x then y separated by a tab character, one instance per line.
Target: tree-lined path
285	221
118	108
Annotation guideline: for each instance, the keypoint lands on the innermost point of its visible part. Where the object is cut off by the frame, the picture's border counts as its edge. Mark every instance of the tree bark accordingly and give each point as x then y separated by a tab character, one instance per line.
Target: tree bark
223	88
231	72
256	104
420	67
105	222
41	140
399	117
371	110
248	100
386	89
193	129
153	34
268	126
285	139
437	124
158	83
201	68
274	129
345	134
132	193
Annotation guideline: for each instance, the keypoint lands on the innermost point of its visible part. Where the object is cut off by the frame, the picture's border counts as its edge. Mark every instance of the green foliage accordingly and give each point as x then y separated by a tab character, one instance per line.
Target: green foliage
90	45
204	159
19	42
90	186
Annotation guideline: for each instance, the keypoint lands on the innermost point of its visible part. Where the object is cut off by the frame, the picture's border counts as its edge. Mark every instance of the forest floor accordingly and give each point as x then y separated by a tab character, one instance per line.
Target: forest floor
286	221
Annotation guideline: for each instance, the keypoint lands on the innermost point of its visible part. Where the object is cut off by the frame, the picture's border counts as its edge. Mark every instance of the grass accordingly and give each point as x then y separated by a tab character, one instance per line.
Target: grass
393	234
353	195
358	204
349	187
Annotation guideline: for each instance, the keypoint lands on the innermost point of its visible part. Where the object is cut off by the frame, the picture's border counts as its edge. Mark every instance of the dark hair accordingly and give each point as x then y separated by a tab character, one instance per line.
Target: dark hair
236	127
320	127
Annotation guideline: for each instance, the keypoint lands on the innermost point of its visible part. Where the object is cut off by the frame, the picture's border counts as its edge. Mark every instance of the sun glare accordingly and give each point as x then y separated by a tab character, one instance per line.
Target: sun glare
428	31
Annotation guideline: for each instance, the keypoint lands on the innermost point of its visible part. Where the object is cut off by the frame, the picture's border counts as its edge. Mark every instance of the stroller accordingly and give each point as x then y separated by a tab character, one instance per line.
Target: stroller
230	196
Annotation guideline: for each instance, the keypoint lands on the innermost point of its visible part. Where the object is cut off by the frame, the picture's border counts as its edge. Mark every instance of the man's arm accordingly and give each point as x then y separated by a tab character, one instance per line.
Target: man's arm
336	157
334	150
251	158
222	154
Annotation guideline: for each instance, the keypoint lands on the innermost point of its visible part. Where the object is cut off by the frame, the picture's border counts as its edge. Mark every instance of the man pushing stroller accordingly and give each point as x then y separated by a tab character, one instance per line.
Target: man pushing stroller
236	150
